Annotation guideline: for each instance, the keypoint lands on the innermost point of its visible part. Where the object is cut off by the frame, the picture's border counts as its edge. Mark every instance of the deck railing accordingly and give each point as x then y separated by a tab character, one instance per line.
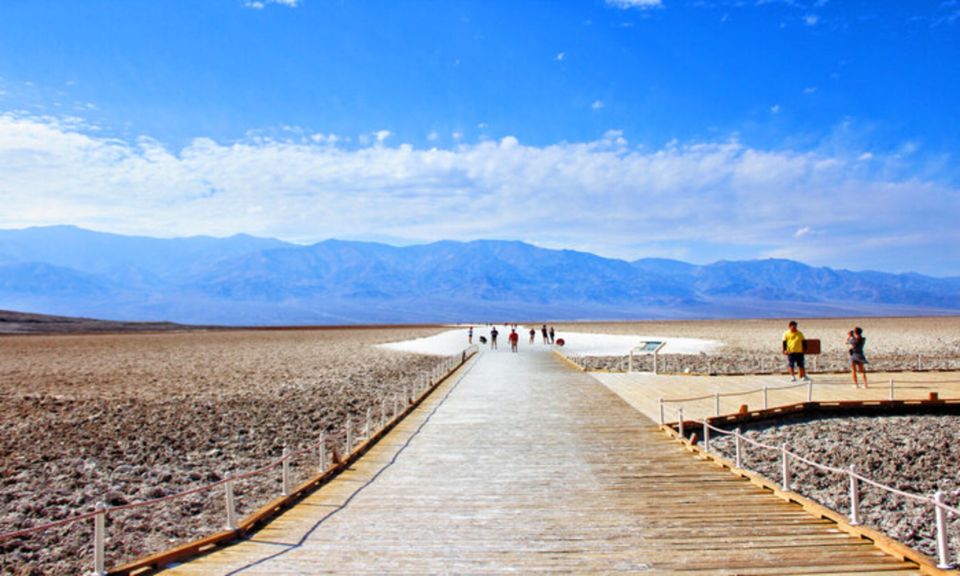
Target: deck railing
321	448
850	476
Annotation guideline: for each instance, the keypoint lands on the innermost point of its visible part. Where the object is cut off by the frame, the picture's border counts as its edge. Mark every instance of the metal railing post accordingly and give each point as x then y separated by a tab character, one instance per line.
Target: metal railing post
660	403
785	472
396	406
891	389
810	391
854	498
680	420
99	540
739	450
766	402
944	561
706	436
368	425
231	504
919	362
383	412
717	404
322	463
285	471
349	438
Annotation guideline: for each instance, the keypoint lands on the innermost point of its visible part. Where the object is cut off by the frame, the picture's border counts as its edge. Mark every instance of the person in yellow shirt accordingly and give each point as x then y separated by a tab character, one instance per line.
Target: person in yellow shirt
793	348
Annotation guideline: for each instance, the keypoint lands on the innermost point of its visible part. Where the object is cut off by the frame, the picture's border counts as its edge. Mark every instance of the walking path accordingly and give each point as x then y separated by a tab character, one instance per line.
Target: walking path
521	464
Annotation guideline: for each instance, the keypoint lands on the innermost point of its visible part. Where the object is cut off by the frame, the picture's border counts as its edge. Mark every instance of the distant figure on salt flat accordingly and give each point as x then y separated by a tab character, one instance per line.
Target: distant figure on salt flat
855	343
493	338
546	336
514	340
552	334
533	334
793	349
470	335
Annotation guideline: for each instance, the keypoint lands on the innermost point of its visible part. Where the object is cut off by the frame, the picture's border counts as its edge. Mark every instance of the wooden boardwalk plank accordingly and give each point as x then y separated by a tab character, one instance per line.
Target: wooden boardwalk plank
525	465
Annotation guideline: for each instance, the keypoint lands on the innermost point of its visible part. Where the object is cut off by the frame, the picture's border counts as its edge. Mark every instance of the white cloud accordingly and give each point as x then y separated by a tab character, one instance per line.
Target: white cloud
810	90
433	136
775	109
811	19
261	4
865	156
640	4
382	135
560	56
602	195
597	104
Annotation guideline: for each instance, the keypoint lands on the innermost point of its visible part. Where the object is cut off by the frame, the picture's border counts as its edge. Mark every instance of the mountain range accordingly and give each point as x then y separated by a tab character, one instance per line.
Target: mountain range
245	280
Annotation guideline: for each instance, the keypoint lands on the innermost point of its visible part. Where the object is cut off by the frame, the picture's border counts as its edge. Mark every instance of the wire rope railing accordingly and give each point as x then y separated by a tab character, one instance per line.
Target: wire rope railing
321	447
941	510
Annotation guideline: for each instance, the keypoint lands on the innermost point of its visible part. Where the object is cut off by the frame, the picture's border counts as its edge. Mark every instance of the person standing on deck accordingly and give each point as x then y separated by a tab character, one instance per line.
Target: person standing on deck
793	349
470	335
552	334
855	342
493	338
546	337
533	334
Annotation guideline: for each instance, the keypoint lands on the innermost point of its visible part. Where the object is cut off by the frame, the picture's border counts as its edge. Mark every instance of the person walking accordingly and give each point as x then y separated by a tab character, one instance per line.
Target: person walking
533	334
855	343
546	337
793	349
493	338
552	334
514	340
470	335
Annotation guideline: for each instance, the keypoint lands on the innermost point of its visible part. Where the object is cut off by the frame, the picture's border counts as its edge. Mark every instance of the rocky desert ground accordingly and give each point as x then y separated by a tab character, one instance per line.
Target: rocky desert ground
129	417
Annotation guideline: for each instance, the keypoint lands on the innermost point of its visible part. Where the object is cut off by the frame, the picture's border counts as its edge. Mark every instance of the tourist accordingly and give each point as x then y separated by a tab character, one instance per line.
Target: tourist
470	335
533	334
793	349
546	337
514	340
493	338
552	334
855	342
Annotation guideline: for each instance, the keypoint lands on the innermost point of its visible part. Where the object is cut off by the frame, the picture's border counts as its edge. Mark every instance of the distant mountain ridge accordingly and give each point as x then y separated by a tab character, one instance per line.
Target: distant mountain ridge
248	280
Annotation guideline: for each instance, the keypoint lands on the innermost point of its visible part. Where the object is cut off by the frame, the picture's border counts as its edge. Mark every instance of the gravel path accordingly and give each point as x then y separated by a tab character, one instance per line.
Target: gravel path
125	418
916	454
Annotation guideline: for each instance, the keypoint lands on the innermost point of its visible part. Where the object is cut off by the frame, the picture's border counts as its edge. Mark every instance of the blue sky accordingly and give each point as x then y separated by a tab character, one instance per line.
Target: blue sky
823	131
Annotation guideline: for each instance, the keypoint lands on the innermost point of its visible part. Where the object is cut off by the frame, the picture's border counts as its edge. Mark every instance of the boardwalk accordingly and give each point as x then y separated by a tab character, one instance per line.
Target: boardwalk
521	464
641	390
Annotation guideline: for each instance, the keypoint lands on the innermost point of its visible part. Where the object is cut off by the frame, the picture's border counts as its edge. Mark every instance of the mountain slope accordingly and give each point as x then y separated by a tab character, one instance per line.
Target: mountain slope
247	280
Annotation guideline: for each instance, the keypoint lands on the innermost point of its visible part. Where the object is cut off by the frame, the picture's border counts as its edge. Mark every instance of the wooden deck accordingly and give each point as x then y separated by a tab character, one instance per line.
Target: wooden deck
521	465
641	390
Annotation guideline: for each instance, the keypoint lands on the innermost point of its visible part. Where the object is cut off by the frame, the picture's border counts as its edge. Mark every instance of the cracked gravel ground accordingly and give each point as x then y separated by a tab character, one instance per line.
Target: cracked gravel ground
125	418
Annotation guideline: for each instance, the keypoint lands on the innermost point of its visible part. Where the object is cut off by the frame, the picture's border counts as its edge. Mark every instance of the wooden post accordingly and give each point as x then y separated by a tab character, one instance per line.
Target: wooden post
854	498
230	503
942	553
891	389
285	471
322	464
810	391
785	471
739	450
368	425
680	420
660	402
706	436
717	402
349	437
99	540
766	402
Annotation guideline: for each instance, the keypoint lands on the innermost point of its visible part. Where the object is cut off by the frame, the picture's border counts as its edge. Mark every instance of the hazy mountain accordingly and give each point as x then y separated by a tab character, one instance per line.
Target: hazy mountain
247	280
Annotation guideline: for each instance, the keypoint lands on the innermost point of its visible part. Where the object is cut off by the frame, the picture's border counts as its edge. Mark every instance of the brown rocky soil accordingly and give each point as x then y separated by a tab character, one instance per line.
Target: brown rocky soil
125	418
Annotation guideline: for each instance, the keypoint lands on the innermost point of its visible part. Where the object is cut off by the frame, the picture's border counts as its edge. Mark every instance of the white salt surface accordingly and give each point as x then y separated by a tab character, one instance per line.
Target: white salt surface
444	344
576	343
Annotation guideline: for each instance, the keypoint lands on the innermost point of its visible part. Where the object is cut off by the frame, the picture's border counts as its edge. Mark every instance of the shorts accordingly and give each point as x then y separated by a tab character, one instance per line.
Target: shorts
796	359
